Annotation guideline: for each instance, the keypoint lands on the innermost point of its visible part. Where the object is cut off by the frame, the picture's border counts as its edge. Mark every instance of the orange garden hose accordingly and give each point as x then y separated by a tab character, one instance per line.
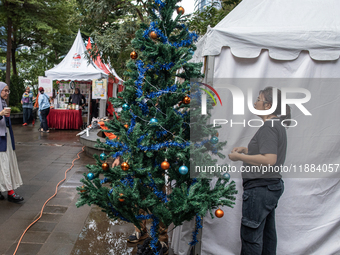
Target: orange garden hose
42	209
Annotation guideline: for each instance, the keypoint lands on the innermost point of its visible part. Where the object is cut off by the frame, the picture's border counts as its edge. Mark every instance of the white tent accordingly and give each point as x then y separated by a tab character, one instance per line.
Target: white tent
290	42
75	66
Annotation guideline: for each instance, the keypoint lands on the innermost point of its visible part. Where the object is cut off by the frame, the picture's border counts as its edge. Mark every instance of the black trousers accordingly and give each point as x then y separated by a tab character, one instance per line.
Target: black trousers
43	114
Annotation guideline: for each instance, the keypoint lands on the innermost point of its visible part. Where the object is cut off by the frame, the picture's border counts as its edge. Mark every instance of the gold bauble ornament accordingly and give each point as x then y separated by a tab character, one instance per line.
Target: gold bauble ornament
180	10
105	166
219	213
153	35
133	55
186	100
125	166
121	199
165	165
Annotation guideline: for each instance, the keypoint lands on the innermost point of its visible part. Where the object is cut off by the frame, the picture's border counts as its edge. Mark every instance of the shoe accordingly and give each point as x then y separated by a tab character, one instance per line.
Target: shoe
1	196
145	249
137	237
47	131
33	122
25	124
14	198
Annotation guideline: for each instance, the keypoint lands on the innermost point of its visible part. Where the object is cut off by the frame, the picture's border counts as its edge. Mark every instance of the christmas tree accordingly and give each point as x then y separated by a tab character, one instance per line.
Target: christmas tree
160	135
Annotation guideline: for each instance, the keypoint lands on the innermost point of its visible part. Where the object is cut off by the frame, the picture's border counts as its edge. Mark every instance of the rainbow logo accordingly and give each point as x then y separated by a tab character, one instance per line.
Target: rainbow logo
204	97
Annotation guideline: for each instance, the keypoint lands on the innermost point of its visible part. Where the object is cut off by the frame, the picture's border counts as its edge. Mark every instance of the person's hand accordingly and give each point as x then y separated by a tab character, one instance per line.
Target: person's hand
22	102
51	107
240	150
234	156
116	162
5	112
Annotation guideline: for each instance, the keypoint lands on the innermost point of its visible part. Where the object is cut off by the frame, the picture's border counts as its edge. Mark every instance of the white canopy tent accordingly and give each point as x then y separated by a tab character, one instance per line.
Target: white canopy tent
75	66
282	39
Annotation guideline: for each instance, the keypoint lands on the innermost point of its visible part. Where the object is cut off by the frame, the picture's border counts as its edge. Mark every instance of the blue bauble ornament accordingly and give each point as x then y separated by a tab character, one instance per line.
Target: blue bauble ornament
214	140
183	170
90	176
102	156
125	107
190	51
153	121
226	176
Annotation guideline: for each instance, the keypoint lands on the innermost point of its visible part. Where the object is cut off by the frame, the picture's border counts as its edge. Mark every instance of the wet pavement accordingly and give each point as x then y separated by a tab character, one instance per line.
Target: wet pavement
63	229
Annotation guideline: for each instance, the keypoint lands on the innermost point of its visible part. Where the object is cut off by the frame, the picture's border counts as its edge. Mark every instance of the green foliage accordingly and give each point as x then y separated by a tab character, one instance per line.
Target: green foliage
211	16
17	89
154	92
42	32
15	109
112	24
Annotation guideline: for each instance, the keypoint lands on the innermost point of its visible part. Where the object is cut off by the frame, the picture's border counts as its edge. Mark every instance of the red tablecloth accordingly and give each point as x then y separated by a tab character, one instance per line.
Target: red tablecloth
64	119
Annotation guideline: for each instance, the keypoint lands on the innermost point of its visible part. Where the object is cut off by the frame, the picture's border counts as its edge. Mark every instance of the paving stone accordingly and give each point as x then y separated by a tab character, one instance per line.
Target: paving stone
25	249
43	226
55	209
35	237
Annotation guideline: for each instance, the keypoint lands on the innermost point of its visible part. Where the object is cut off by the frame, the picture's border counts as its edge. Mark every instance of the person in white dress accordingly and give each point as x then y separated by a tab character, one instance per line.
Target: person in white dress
10	177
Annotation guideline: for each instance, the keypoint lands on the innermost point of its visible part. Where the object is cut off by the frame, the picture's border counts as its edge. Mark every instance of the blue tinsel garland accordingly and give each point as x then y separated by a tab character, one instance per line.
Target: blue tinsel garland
153	234
195	233
173	88
160	194
156	147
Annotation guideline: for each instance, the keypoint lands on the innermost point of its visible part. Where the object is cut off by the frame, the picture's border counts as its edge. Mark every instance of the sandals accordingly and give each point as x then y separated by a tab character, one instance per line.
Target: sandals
42	130
137	237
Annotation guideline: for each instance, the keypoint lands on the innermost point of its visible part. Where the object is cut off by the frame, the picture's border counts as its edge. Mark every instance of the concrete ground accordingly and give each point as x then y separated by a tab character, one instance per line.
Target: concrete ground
63	229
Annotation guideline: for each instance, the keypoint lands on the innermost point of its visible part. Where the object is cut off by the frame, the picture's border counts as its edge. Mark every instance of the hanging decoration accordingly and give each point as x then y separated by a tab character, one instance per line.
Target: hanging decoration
105	166
125	166
133	55
219	213
180	10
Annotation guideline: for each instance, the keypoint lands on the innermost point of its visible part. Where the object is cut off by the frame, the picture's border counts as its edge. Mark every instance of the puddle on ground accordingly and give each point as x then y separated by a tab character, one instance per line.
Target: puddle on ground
102	235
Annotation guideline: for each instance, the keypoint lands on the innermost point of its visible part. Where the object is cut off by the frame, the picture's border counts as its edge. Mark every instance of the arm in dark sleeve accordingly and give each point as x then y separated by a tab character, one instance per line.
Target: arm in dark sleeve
70	99
83	98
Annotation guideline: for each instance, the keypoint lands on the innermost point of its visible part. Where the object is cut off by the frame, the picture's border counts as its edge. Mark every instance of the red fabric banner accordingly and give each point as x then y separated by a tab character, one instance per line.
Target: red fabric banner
65	119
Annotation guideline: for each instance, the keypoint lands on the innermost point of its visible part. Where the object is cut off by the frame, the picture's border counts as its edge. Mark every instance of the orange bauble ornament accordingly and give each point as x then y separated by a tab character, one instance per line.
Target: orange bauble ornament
133	55
126	126
219	213
186	100
125	166
121	199
165	165
180	10
105	166
217	134
82	189
153	35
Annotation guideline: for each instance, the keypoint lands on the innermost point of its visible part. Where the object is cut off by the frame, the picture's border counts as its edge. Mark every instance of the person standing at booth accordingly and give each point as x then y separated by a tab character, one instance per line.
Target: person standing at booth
77	98
10	177
262	190
44	108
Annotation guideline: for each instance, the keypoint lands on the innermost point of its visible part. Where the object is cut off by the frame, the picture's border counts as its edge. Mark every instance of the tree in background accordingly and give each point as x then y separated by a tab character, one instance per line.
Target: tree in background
160	134
211	16
112	25
42	28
